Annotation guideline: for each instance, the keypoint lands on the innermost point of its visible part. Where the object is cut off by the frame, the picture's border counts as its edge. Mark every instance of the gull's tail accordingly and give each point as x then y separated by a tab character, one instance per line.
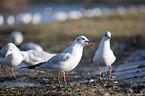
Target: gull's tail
33	66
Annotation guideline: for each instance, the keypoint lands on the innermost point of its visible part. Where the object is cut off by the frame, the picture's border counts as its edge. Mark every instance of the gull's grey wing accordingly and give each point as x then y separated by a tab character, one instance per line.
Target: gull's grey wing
34	56
59	58
51	64
54	61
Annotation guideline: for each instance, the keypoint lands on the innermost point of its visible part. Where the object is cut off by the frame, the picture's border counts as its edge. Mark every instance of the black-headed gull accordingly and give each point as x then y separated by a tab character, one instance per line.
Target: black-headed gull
32	57
17	38
10	56
65	61
104	56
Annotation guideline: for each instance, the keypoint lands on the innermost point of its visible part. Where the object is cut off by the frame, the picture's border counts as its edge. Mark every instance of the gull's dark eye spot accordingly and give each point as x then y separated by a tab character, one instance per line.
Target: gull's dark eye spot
10	49
78	39
83	38
105	34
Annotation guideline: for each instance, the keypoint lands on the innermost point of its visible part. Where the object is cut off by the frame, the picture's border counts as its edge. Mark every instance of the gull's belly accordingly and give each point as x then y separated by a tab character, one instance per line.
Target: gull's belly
70	64
104	59
15	60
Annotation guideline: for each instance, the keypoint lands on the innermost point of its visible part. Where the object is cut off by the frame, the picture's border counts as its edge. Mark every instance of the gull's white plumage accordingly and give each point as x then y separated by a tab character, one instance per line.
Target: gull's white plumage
32	57
17	38
65	61
10	56
14	56
104	56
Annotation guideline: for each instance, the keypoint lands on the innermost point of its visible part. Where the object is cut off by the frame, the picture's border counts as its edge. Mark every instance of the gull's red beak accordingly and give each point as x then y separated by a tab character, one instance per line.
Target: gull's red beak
89	42
6	55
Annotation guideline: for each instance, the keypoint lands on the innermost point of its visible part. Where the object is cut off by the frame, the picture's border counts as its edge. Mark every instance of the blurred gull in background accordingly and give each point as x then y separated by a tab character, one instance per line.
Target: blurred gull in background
36	18
10	20
93	12
1	20
26	18
61	16
31	46
75	15
17	38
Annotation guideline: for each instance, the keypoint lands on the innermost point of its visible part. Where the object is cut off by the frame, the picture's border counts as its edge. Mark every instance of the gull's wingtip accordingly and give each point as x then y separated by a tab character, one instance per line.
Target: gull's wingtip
28	67
33	66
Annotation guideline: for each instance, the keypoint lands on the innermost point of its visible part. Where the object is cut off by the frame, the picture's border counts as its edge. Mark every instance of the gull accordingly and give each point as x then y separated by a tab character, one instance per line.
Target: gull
31	46
104	56
32	57
10	56
16	37
65	61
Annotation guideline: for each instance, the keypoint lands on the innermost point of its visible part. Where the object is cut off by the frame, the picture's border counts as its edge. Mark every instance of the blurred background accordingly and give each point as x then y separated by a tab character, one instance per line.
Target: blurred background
46	22
19	12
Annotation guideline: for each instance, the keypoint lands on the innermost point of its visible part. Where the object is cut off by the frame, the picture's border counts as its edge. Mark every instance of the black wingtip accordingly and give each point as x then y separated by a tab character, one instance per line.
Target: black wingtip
28	67
33	66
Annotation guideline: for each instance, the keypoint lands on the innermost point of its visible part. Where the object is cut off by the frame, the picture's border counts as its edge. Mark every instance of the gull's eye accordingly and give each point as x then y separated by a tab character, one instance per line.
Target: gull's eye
83	38
10	49
105	34
78	39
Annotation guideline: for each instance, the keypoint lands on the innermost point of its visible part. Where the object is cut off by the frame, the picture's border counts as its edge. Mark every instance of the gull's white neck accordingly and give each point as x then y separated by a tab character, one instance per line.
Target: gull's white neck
104	44
74	49
13	59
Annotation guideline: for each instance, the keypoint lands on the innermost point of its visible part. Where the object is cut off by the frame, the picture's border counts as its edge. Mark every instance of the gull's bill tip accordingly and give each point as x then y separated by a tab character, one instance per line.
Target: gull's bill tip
88	42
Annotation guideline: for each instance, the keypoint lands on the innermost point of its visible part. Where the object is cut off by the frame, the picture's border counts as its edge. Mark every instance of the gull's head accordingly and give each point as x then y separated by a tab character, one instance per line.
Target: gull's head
16	37
10	48
107	35
82	40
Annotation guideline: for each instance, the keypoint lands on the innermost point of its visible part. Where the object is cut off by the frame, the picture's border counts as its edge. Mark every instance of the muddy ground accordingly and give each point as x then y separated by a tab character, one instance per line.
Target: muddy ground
80	82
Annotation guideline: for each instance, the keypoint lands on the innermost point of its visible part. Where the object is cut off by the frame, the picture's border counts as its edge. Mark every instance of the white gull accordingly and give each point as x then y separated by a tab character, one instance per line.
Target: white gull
104	56
10	56
16	37
32	57
65	61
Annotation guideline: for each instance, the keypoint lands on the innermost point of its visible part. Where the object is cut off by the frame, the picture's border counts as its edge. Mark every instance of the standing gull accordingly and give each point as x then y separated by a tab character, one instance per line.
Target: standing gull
104	56
10	56
65	61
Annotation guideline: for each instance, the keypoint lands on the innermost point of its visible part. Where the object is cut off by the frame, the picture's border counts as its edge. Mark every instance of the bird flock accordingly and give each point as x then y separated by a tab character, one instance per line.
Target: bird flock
14	53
